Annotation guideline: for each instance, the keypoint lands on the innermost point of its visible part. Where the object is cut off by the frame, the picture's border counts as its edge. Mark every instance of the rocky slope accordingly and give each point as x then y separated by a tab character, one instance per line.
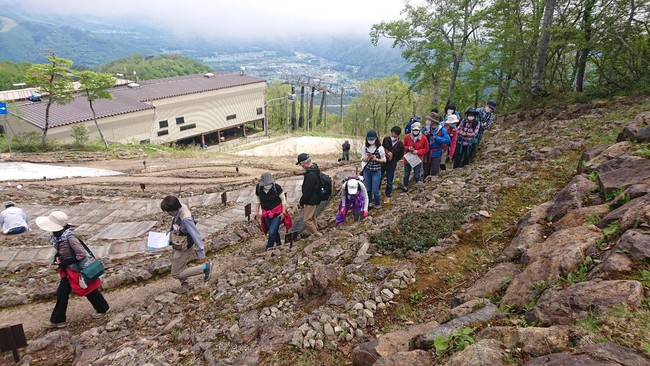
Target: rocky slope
522	261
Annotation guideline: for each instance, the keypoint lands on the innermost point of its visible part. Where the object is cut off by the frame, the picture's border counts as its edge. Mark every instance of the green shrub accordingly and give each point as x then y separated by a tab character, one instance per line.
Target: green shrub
420	231
80	134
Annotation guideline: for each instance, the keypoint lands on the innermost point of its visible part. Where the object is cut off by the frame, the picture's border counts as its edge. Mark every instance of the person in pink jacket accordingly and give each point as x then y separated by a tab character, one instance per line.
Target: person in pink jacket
416	146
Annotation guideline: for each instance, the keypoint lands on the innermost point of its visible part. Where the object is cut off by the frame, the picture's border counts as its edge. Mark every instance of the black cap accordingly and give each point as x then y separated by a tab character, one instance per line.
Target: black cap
302	157
492	104
372	134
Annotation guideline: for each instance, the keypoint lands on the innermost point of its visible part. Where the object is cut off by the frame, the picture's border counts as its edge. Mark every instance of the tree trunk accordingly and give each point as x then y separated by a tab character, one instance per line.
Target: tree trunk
301	119
454	74
101	135
538	74
293	109
584	52
47	120
436	88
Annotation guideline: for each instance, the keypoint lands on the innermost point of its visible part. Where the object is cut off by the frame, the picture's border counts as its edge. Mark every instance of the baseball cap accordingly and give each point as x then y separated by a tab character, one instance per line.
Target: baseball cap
353	186
302	157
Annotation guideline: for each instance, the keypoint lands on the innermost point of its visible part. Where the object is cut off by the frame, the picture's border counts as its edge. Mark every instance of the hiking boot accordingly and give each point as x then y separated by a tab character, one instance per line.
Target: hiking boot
207	272
56	325
101	315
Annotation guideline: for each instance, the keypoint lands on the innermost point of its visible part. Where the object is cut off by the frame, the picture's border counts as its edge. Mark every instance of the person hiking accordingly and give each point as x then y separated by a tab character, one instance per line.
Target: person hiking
467	131
185	240
70	254
426	131
310	198
272	200
439	140
394	148
486	114
450	109
415	147
413	119
13	220
346	151
354	196
451	125
372	157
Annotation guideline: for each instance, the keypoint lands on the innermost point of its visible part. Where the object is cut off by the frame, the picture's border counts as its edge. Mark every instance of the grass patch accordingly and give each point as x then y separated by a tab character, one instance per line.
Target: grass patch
383	261
627	327
422	230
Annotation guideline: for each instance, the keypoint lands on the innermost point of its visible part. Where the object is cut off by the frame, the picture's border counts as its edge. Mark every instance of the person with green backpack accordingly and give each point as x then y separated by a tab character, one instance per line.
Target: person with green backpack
70	255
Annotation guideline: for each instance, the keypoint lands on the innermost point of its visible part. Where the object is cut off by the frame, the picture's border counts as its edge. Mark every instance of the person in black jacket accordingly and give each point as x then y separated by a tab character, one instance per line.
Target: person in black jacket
310	197
394	153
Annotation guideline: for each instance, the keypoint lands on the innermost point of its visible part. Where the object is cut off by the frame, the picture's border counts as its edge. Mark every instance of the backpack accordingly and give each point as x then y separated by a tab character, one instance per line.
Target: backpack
325	191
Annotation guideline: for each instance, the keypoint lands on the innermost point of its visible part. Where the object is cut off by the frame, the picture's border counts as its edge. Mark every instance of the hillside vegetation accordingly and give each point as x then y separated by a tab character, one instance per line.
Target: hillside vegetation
154	67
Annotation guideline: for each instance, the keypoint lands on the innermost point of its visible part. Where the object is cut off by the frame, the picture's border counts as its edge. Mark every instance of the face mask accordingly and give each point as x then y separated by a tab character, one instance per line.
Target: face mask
371	141
393	139
471	118
450	112
416	132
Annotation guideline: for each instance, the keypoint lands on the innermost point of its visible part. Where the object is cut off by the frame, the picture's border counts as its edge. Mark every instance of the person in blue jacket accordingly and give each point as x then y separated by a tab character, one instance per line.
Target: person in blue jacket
439	141
414	119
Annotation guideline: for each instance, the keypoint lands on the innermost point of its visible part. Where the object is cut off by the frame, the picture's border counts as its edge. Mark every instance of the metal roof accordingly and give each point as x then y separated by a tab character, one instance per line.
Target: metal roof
127	99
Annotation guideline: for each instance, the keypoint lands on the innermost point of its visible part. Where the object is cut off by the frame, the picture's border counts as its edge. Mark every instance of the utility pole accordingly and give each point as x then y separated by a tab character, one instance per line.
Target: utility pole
293	108
311	108
342	90
301	119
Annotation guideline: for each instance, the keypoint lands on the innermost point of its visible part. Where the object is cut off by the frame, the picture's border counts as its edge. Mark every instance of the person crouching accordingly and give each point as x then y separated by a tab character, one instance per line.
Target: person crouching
353	196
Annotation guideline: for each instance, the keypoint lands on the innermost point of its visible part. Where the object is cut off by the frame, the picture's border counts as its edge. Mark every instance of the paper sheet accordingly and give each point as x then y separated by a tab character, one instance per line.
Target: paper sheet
413	159
157	240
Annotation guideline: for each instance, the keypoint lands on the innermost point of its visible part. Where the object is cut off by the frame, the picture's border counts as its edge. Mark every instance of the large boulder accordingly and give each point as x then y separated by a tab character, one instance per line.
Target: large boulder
366	354
588	156
631	214
571	197
575	302
411	358
598	354
631	170
637	129
537	215
526	237
582	216
635	243
535	340
494	280
560	254
315	284
486	314
486	352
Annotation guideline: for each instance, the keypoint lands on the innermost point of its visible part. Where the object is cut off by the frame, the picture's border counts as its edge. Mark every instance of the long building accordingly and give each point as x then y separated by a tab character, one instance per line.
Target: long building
199	108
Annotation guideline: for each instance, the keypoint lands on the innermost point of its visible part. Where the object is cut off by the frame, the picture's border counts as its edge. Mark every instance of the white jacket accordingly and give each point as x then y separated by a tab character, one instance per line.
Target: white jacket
13	217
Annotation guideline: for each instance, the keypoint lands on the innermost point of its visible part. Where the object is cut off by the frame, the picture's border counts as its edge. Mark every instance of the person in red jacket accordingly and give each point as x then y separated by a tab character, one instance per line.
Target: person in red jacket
416	146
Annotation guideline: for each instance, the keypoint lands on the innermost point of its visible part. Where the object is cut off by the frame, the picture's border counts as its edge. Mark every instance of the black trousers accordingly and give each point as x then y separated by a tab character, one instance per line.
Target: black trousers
63	293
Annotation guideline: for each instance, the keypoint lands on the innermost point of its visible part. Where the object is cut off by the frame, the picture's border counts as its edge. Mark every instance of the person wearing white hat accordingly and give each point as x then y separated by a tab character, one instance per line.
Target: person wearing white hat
416	146
13	219
70	253
353	195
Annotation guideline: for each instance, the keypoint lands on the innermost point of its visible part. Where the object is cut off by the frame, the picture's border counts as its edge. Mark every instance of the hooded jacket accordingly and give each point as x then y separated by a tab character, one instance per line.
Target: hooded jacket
310	186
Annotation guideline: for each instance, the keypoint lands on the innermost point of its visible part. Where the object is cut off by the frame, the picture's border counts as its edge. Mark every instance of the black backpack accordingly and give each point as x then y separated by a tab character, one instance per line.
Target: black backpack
325	191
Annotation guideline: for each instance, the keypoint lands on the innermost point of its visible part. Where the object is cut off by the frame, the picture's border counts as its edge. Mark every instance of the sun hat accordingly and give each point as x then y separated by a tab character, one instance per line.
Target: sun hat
302	157
52	222
452	119
353	186
266	179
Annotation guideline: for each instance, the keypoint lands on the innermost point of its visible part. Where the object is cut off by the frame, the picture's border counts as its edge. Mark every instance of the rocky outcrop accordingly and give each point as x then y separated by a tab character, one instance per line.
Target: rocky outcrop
628	171
527	237
484	315
487	352
535	341
560	254
494	280
412	358
571	197
599	354
637	130
631	214
577	301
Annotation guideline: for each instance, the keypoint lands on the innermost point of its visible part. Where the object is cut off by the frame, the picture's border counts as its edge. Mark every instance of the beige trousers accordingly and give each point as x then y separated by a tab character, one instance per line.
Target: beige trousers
180	259
309	217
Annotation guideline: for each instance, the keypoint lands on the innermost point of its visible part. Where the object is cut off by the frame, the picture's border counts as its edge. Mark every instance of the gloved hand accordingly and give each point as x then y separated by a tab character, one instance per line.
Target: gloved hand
344	211
365	213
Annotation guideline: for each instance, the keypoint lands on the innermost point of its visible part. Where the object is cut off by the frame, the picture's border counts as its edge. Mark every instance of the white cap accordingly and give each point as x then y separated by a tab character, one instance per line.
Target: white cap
353	186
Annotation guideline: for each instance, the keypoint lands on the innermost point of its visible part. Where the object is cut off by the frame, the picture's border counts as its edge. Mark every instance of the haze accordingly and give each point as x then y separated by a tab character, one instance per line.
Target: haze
241	19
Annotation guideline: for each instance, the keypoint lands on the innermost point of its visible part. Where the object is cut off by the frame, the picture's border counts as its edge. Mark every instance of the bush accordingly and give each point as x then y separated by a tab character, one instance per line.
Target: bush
421	231
80	134
28	142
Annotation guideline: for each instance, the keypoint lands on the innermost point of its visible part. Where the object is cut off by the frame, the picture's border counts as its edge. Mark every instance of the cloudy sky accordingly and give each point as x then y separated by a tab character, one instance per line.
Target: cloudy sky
231	18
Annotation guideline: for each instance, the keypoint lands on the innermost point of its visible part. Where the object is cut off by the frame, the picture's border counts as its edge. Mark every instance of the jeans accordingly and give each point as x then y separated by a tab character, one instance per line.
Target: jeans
390	176
17	230
345	156
372	179
274	233
407	174
63	293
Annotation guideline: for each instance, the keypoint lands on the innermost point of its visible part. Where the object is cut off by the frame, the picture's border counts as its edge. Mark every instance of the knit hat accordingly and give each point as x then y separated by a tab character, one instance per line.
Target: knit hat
266	179
52	222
